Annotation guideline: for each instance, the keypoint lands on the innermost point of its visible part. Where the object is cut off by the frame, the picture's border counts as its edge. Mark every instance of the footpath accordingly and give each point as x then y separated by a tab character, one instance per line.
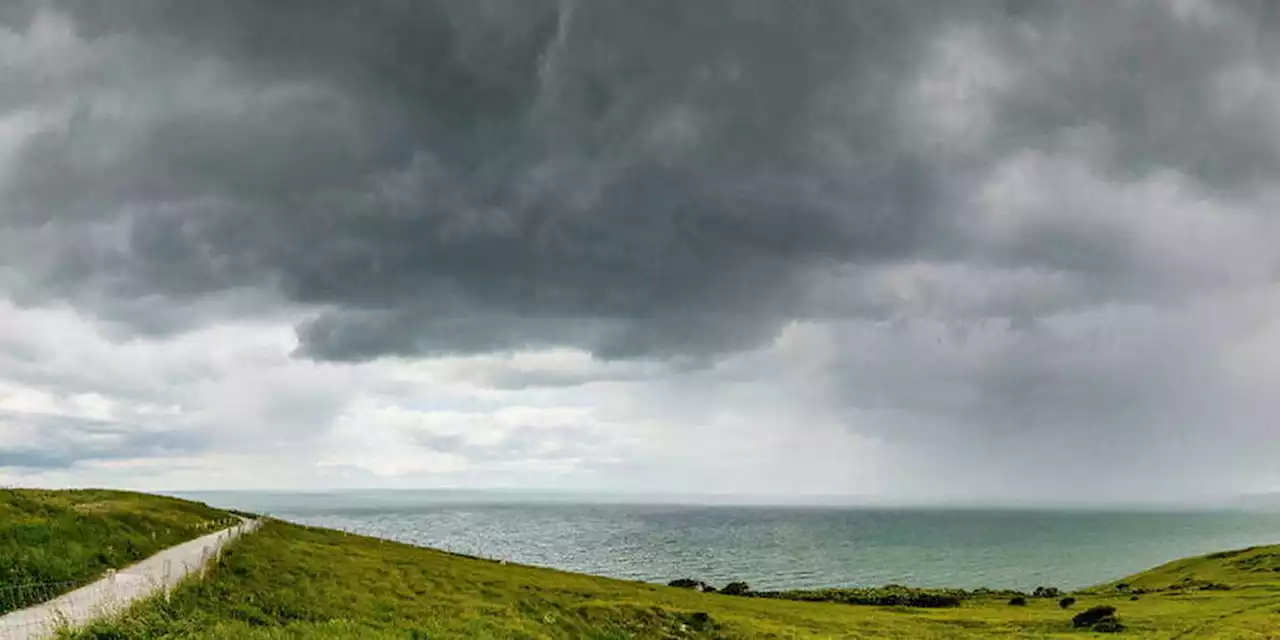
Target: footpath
117	590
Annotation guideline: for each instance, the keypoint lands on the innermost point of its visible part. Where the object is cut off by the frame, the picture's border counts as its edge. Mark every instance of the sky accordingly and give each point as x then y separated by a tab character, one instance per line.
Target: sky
899	250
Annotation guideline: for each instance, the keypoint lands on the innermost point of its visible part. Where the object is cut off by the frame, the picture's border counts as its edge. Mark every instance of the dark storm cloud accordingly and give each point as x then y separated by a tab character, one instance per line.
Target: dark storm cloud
472	176
654	178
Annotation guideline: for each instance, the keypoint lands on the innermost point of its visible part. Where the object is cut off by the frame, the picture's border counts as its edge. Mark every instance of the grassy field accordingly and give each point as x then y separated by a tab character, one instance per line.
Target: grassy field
288	581
53	541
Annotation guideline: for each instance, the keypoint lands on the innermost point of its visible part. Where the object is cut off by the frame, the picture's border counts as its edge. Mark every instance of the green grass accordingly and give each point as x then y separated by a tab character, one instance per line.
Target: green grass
288	581
61	539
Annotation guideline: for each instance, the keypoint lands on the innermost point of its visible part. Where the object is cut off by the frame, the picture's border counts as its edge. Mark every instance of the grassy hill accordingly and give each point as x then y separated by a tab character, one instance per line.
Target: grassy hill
54	541
288	581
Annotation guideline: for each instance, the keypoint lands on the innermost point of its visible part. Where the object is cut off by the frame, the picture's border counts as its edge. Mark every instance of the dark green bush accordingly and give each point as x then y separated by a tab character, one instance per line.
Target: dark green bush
888	596
1066	602
1190	583
1108	624
736	589
699	621
1092	616
1018	601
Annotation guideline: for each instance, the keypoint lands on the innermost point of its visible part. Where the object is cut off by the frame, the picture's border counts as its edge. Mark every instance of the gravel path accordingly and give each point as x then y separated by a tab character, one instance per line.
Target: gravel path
114	593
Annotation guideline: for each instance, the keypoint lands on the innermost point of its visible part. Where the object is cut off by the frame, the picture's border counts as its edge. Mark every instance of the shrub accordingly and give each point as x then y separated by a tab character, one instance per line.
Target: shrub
1122	586
1134	598
1108	624
875	596
1018	601
699	621
932	600
1092	616
736	589
1066	602
684	583
1046	592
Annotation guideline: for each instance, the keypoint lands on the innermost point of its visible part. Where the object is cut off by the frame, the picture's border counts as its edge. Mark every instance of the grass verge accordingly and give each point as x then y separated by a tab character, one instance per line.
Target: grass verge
54	541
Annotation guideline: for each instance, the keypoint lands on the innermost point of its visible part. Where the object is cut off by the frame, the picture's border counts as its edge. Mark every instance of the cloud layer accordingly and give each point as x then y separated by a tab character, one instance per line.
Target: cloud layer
1024	244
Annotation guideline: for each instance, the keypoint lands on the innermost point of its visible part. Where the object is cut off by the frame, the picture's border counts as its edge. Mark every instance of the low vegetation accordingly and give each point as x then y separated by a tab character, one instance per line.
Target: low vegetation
888	596
54	541
288	581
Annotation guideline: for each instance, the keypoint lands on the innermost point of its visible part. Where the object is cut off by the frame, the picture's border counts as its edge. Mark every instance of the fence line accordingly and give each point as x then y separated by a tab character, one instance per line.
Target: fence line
81	604
15	597
9	587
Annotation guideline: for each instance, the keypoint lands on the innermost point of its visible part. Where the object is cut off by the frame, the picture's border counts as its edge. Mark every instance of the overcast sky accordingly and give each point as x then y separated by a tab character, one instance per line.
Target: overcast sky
910	250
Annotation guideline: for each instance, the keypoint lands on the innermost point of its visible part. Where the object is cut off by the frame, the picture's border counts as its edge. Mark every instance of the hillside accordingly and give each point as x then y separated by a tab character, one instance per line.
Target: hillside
297	582
54	541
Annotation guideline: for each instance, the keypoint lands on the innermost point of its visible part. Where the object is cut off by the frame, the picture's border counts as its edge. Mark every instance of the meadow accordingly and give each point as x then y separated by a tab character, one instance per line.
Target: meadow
290	581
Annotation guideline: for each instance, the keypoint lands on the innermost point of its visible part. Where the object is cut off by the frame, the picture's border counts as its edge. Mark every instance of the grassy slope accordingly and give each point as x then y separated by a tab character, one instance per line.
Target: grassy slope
72	537
293	582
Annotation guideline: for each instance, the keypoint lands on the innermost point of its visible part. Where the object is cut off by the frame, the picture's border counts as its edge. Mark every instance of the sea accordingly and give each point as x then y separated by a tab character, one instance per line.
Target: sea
779	547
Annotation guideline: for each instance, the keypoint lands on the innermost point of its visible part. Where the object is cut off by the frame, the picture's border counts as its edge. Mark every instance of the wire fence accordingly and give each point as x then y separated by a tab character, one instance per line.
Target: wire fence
39	610
20	596
34	572
63	607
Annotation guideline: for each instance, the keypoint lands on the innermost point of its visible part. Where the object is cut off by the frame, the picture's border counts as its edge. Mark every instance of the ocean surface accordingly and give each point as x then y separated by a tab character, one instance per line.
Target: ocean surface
781	547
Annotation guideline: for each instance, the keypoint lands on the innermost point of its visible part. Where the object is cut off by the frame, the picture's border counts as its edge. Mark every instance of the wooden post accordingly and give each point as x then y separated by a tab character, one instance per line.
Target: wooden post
168	569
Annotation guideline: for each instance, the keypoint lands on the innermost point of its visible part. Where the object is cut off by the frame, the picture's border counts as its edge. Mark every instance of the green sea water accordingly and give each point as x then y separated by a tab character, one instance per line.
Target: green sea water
782	547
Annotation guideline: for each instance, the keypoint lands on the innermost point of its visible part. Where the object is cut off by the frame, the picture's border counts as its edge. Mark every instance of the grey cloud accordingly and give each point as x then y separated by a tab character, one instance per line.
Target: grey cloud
1136	400
60	442
514	378
18	14
524	443
1167	86
1071	373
